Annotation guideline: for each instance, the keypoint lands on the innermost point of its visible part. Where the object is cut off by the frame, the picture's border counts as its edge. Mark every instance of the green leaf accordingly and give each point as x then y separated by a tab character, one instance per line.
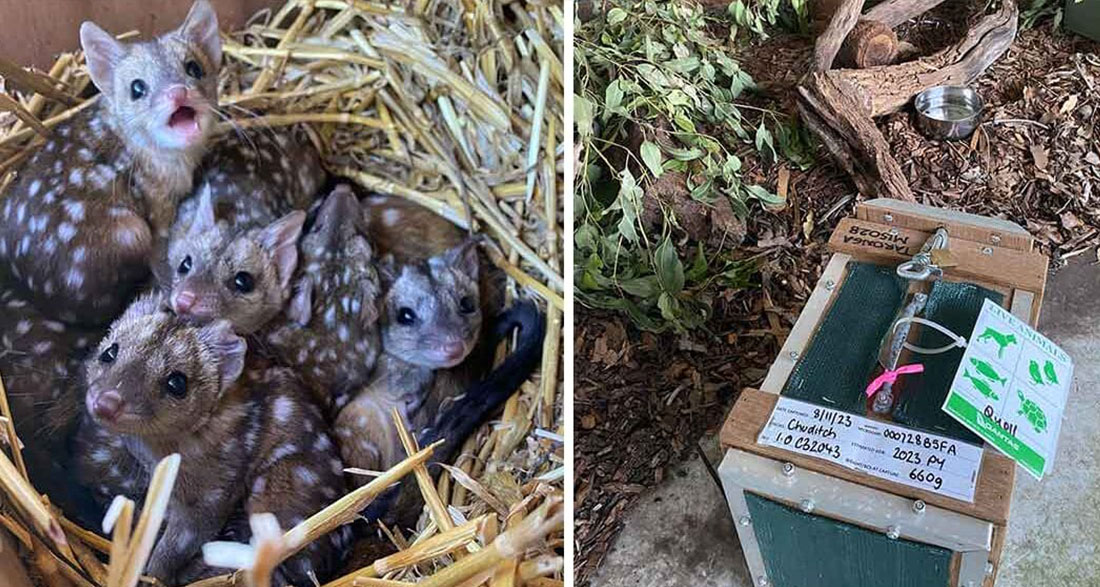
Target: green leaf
698	269
582	116
647	287
616	15
651	154
764	139
685	154
766	197
613	96
670	270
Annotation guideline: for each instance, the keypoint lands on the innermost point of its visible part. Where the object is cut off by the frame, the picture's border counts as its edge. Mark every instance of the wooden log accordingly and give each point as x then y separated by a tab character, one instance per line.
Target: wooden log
888	89
851	137
871	43
839	105
894	12
829	42
821	12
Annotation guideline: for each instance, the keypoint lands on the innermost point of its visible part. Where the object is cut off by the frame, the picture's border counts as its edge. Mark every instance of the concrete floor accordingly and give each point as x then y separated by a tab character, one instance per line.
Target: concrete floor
682	534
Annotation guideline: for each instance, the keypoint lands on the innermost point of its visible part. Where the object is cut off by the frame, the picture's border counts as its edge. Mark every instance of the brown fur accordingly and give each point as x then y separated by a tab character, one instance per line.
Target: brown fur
249	439
406	230
80	222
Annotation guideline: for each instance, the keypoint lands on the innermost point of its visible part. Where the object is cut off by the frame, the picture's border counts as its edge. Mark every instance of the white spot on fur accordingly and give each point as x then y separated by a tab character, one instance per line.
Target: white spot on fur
284	409
306	475
258	485
78	254
74	278
391	217
76	177
66	231
42	347
32	190
74	209
23	327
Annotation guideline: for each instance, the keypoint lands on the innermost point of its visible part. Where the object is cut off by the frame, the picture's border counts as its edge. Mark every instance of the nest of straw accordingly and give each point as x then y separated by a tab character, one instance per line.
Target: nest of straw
456	105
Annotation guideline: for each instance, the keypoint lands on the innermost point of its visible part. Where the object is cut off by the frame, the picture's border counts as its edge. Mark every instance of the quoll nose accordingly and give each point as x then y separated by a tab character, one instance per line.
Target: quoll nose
453	348
177	94
107	406
183	301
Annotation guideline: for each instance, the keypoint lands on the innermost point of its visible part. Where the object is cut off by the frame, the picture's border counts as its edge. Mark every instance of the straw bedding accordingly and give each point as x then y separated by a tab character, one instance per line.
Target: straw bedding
456	105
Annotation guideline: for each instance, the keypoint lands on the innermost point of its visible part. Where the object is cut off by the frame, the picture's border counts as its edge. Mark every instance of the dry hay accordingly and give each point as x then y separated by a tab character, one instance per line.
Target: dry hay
433	102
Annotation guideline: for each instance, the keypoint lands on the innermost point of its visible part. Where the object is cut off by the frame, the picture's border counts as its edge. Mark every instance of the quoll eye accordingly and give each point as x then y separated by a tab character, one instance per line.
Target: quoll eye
467	305
138	89
175	384
193	69
243	282
109	354
406	316
185	265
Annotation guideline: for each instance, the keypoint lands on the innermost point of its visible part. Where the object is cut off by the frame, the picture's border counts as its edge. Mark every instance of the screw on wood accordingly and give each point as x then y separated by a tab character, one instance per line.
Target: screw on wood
893	532
788	469
744	520
830	284
987	250
888	217
918	506
807	505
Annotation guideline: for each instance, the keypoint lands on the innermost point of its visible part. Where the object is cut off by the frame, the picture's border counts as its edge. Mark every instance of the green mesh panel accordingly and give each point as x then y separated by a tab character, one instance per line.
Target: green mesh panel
804	550
844	351
956	306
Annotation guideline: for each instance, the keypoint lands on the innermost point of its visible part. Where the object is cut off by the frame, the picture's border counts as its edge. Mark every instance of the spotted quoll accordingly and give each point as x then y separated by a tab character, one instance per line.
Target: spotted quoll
248	182
329	333
255	177
249	439
431	321
40	365
219	270
81	221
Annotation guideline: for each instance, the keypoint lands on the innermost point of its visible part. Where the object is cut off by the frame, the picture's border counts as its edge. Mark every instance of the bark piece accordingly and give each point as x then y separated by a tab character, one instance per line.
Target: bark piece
870	43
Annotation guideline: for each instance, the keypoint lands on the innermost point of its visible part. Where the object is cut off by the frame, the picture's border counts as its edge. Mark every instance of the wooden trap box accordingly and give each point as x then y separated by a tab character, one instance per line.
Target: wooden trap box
805	521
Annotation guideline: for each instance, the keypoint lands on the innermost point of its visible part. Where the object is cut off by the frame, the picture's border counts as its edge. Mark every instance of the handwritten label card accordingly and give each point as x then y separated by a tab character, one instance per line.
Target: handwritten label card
926	461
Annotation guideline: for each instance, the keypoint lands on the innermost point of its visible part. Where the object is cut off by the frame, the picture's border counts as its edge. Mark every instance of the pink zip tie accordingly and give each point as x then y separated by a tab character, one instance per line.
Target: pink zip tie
891	376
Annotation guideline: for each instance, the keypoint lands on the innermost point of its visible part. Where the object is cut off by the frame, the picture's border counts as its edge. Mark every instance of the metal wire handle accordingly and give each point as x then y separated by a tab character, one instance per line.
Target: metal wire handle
921	267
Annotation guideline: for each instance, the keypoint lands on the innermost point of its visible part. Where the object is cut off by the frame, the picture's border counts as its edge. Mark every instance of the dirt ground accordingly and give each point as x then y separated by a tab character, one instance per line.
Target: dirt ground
642	401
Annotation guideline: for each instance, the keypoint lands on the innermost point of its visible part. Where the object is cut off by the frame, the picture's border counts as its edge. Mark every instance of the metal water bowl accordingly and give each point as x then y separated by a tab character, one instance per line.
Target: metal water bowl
948	112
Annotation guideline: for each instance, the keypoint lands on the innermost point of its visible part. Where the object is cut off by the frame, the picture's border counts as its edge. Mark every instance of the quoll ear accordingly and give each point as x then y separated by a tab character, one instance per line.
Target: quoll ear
280	239
464	258
387	270
201	28
228	348
301	305
204	216
102	52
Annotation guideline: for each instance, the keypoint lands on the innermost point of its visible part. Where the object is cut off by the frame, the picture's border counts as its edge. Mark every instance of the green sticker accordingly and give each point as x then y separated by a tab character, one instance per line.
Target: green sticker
1011	388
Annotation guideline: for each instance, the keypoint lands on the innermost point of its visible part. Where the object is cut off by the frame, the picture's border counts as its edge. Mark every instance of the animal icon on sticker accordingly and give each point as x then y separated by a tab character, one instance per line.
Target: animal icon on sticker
1048	370
986	370
981	385
1002	340
1032	412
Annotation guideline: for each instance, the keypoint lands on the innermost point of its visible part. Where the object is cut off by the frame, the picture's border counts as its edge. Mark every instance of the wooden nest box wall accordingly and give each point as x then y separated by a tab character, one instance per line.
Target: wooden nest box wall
804	520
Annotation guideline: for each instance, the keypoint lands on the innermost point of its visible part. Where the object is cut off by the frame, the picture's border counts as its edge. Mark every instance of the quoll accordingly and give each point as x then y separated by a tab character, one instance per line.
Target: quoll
330	330
431	321
40	363
216	270
249	439
82	219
